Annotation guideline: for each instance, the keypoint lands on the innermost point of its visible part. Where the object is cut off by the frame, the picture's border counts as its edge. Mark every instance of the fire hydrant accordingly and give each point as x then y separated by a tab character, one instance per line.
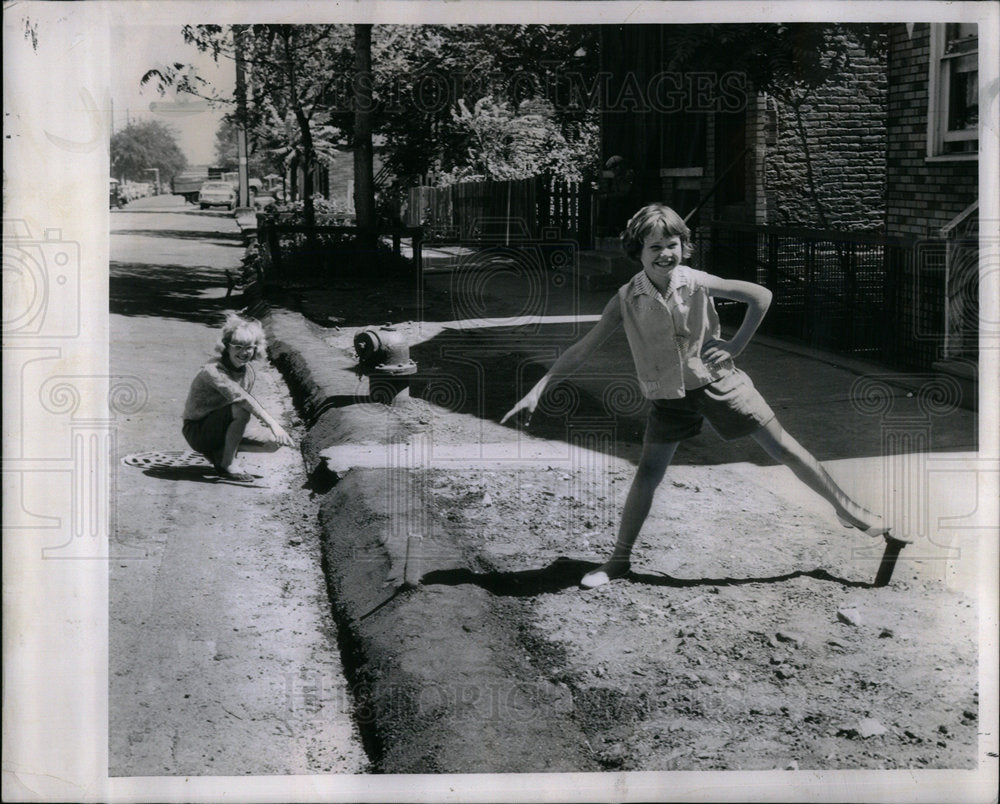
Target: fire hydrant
384	357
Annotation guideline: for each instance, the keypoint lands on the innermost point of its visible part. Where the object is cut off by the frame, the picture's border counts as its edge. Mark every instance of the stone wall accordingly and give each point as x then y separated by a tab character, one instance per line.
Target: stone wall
845	128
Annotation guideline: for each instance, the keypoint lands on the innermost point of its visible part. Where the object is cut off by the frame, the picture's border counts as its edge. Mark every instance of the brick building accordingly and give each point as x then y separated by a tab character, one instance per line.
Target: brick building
932	162
845	129
697	137
932	183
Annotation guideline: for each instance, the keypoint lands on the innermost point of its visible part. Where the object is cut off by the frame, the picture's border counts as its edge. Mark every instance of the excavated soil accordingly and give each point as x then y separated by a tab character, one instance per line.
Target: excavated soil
748	636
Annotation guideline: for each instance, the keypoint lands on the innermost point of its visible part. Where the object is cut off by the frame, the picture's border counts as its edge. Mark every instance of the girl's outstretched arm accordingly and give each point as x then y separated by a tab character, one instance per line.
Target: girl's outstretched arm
281	437
570	360
757	299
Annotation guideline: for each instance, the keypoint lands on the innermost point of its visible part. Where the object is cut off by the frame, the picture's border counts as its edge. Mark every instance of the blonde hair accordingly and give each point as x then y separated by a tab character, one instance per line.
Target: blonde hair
236	323
650	217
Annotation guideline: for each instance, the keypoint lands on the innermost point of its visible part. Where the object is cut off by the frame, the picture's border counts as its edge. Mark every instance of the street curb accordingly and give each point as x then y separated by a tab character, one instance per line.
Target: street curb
321	376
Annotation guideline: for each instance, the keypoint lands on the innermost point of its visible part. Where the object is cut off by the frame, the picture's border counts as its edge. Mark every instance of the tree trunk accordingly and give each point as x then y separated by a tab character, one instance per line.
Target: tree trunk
364	174
308	158
800	128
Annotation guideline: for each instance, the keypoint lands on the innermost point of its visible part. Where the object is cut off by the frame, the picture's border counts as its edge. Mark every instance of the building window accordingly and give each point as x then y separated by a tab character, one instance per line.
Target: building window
953	124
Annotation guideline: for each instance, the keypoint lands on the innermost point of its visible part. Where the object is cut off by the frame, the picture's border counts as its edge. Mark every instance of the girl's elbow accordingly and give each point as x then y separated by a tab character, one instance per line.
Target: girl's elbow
764	297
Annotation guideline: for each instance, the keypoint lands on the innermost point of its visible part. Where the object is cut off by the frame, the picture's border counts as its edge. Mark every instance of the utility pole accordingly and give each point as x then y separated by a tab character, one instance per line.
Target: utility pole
241	117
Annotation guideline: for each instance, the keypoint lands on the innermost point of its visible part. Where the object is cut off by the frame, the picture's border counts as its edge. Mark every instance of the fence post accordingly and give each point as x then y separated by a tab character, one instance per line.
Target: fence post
846	254
274	246
892	322
417	247
809	320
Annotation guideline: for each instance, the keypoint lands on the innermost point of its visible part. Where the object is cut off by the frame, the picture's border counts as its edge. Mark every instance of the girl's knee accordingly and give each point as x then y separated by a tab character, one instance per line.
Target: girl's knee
241	412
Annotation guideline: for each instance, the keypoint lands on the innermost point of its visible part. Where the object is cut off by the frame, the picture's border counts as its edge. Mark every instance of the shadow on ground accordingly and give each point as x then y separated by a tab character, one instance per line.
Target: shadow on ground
480	366
565	573
169	291
195	474
483	372
227	238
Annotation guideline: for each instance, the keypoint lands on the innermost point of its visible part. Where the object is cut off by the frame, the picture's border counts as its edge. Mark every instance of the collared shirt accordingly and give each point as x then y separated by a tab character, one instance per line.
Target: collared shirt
216	386
667	333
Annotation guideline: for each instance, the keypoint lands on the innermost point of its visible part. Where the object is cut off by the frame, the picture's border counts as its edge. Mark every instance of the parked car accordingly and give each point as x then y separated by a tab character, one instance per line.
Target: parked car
217	194
114	194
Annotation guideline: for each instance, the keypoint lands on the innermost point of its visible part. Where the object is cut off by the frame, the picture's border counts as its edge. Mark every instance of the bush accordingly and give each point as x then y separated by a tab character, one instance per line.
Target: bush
324	255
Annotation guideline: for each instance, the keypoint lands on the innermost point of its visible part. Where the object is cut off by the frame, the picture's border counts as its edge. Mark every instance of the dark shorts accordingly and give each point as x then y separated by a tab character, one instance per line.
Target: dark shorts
208	435
732	406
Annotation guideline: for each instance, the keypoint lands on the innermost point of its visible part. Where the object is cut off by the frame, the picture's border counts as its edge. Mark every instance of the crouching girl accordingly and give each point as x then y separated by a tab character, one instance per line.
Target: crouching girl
220	403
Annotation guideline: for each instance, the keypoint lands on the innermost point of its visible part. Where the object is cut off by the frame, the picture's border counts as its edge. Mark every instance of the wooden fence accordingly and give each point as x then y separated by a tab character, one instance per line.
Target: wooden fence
511	212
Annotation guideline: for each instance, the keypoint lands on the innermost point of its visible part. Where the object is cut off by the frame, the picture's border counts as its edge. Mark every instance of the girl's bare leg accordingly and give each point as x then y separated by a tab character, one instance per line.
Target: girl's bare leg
653	465
782	447
234	434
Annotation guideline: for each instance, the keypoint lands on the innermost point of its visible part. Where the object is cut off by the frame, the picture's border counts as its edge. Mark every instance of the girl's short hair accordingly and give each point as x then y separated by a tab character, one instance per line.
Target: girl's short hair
238	324
650	217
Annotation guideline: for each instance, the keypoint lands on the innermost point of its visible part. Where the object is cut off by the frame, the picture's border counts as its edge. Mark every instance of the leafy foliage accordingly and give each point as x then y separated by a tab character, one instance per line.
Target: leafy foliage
143	145
788	60
289	70
440	88
260	162
435	89
507	143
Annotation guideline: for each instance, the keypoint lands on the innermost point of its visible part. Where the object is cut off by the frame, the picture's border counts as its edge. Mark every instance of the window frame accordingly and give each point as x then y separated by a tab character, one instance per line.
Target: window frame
939	87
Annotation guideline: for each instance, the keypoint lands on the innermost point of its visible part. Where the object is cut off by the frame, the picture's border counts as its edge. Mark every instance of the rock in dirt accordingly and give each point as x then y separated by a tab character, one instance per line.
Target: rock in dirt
793	639
869	727
849	616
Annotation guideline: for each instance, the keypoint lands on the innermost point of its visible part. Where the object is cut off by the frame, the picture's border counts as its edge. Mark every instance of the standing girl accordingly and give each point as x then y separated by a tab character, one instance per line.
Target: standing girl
686	370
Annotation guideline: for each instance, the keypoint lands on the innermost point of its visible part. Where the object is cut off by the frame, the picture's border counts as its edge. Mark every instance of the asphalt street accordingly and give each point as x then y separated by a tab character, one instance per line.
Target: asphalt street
223	658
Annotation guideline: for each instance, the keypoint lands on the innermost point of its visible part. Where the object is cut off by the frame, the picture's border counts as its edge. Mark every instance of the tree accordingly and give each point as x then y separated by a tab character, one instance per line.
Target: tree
364	179
260	162
143	145
788	61
508	143
435	84
290	70
309	95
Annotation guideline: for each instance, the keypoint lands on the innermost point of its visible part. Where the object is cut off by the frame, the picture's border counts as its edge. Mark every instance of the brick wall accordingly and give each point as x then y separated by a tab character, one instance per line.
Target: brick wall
922	196
846	134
